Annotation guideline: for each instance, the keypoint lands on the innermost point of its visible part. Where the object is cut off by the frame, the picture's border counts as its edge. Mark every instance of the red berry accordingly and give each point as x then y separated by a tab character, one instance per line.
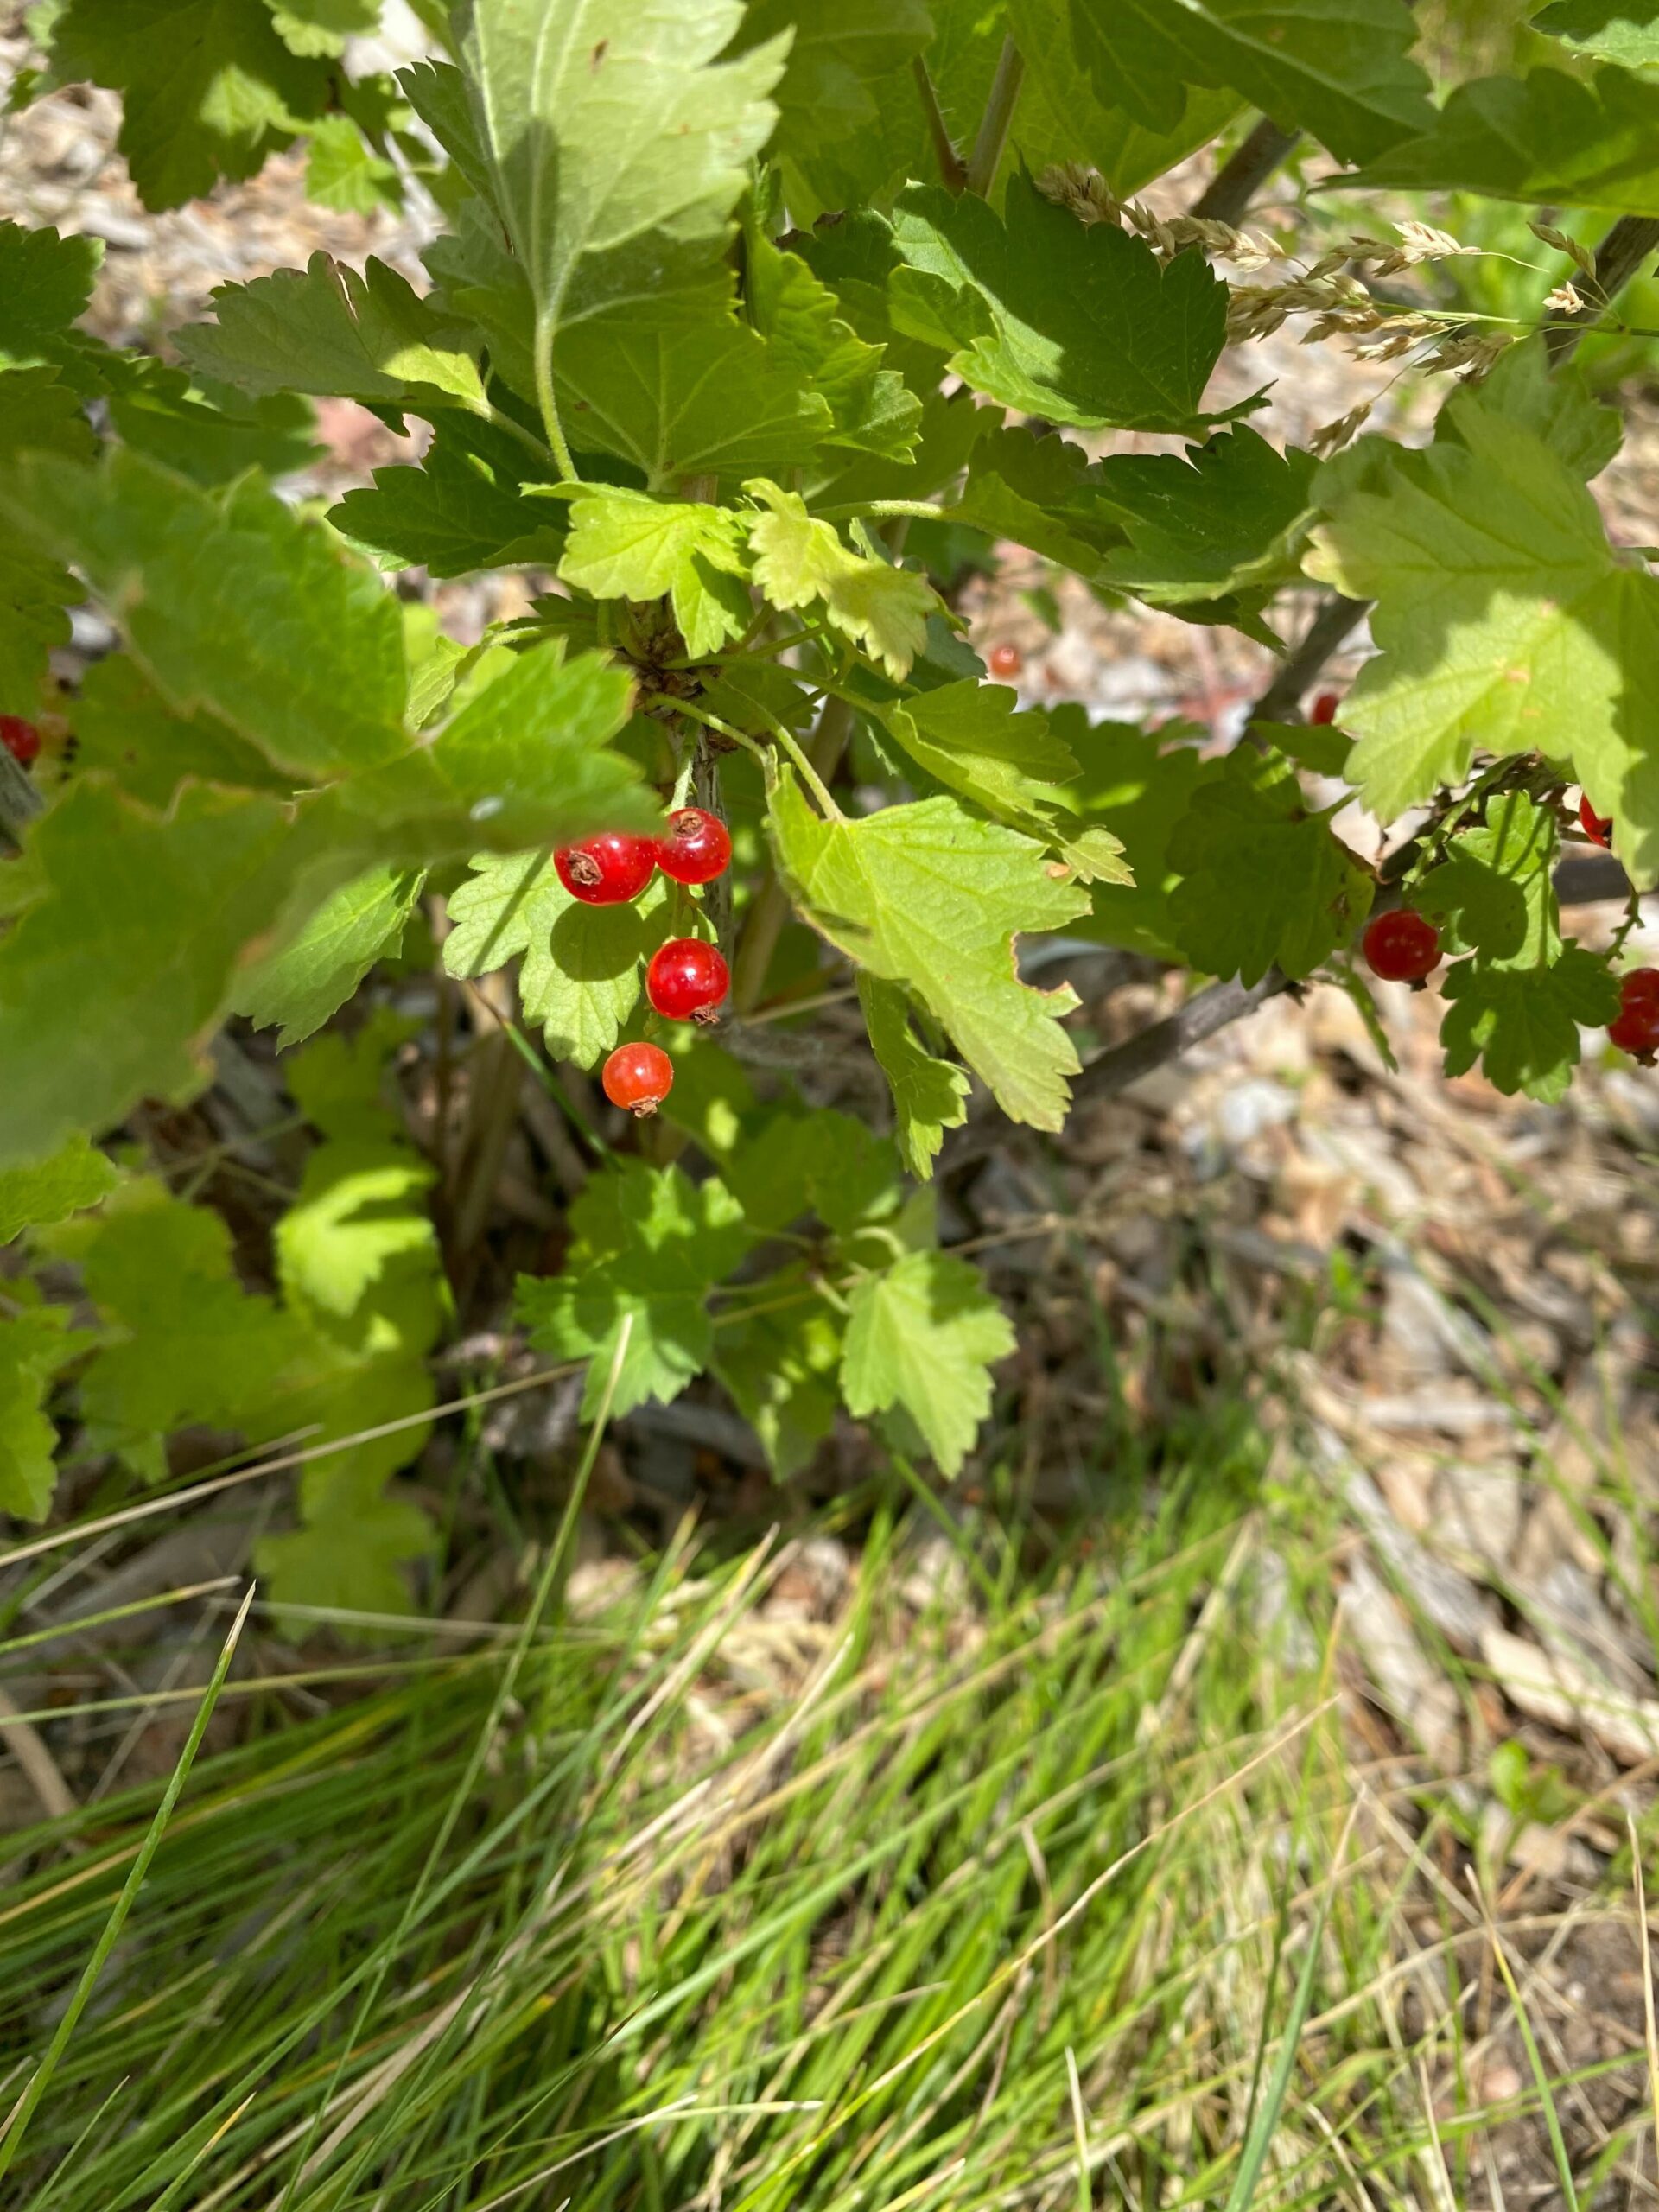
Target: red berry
1640	983
700	848
21	738
638	1077
1323	708
605	870
1597	828
1635	1028
687	979
1005	661
1401	946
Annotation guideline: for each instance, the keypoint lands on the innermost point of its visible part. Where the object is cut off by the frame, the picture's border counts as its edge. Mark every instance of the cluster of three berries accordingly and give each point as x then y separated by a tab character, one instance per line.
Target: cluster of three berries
687	978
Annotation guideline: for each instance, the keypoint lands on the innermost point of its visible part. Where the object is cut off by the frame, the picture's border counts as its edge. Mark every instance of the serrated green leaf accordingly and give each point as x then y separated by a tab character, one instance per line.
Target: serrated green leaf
460	510
1339	69
973	739
39	413
126	729
1522	1023
46	284
1262	881
1139	784
703	398
343	171
346	1561
1625	31
231	603
616	143
1079	325
872	409
1493	894
1026	487
780	1370
1506	621
928	897
1547	137
652	1245
310	27
580	979
799	560
156	410
33	1344
297	989
328	331
1224	518
49	1191
929	1095
358	1212
208	88
1060	119
922	1337
839	53
626	545
1554	400
35	595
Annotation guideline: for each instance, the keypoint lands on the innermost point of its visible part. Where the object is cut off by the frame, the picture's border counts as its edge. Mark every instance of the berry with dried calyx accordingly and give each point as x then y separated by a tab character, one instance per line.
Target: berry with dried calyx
1323	708
606	870
699	849
687	979
1006	661
1597	828
638	1077
21	738
1401	946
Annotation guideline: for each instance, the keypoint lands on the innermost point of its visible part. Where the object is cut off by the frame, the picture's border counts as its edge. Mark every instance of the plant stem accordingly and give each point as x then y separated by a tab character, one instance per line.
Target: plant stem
987	156
546	400
1618	258
952	169
770	910
1239	180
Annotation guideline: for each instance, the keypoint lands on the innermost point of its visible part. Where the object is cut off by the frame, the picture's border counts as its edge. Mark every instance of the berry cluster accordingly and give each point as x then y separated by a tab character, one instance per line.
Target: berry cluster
687	978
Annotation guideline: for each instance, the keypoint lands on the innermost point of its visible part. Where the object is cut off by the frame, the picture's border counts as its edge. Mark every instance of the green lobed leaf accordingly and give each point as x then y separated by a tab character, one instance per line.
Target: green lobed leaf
580	978
1546	137
460	510
231	603
328	331
799	562
872	409
928	897
615	141
929	1095
1263	881
1139	784
343	171
323	26
1522	1022
780	1369
972	738
839	53
45	1192
1625	31
35	596
921	1337
46	285
34	1343
626	545
1506	620
208	88
1493	894
1078	324
1340	69
297	989
1224	517
125	729
651	1245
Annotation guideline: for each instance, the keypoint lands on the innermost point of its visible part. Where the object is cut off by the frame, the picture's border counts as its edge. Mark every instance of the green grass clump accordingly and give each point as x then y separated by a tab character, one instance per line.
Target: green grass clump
1004	1887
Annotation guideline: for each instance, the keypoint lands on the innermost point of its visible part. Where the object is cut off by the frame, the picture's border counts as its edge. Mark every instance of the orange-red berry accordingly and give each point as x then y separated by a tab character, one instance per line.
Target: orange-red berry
699	849
606	870
1597	828
1006	661
21	738
1323	708
638	1077
1401	946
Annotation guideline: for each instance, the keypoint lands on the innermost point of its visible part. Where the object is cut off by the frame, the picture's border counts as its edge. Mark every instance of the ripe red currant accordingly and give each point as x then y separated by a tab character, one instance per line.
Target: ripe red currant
1006	661
700	848
1401	946
21	738
606	870
1323	708
1597	828
687	979
1640	983
638	1077
1635	1028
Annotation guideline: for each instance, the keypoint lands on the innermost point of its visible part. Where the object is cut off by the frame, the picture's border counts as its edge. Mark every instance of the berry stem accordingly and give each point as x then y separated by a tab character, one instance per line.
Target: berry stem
547	401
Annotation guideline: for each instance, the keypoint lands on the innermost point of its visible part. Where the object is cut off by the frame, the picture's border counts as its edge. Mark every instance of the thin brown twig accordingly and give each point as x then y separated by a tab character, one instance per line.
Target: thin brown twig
1239	180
